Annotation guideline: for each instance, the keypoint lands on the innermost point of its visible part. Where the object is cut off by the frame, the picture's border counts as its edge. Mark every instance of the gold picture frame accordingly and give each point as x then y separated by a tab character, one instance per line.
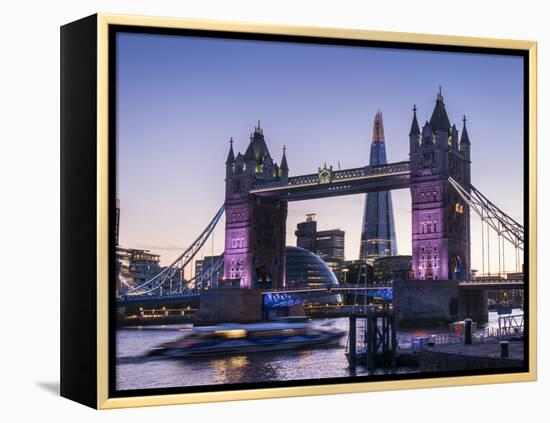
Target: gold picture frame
99	25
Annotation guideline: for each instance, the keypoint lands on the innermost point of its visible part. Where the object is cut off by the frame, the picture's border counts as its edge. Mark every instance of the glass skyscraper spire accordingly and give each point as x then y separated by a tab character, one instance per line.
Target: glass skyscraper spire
378	229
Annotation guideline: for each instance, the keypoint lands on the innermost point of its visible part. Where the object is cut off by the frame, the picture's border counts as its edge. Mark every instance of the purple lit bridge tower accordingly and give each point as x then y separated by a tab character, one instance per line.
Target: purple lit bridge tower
440	218
255	229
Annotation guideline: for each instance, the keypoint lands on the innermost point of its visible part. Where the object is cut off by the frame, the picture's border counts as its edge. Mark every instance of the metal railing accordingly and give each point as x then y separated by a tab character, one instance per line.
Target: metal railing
338	175
489	334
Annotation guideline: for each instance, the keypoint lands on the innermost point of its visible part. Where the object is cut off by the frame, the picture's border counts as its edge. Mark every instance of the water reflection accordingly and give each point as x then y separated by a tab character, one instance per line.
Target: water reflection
133	371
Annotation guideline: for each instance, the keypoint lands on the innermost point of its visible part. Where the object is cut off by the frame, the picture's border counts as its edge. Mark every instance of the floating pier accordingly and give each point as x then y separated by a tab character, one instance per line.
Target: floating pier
489	354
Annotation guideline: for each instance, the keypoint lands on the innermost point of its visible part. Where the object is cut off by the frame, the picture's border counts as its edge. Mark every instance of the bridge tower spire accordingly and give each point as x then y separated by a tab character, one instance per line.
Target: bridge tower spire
414	134
284	166
230	162
465	139
440	218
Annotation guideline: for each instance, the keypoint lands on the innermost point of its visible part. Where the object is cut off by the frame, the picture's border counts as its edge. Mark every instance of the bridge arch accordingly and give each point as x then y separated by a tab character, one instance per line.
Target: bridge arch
263	278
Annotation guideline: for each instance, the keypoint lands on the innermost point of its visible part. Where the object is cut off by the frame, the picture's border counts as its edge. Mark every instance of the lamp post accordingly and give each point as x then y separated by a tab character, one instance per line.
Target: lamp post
345	271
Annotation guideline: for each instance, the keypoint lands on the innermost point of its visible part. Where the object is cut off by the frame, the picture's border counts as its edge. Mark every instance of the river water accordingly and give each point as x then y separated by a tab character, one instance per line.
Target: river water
134	371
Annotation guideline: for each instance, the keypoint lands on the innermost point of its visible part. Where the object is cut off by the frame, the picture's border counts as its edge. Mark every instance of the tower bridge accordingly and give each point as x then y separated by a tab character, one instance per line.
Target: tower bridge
438	175
258	191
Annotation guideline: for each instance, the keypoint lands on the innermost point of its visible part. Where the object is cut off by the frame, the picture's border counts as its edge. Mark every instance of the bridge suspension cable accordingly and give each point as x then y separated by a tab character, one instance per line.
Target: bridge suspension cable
503	224
482	245
177	267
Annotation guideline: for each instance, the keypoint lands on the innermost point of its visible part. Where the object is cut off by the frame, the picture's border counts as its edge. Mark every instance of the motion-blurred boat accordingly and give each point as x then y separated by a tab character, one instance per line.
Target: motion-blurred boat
244	338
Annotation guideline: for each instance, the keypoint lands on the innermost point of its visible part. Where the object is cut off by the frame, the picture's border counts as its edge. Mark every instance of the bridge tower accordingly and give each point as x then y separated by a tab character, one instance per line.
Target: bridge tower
440	219
255	228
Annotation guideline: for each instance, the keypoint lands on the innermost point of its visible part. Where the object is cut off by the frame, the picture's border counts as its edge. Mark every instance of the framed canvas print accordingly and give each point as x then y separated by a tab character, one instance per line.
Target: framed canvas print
254	211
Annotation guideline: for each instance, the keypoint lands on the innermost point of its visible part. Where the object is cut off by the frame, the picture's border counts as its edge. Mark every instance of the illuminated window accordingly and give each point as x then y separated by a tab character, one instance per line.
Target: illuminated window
459	208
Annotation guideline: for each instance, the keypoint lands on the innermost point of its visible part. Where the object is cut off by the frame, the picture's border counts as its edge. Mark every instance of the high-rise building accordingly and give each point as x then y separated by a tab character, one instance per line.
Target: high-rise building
356	271
136	267
306	233
391	268
329	245
378	227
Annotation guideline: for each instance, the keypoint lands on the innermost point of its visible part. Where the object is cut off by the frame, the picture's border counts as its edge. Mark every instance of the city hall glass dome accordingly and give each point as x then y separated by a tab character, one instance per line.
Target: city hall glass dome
305	269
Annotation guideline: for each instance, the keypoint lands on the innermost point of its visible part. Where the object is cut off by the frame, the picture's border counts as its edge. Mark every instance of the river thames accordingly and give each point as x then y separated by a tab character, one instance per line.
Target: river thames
135	371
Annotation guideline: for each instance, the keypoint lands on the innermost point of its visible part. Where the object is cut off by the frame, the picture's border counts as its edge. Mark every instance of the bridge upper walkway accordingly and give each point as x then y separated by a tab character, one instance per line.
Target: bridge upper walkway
329	183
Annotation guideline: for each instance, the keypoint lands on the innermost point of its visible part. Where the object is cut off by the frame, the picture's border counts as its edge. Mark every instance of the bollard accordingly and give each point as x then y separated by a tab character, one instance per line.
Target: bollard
468	331
504	350
352	342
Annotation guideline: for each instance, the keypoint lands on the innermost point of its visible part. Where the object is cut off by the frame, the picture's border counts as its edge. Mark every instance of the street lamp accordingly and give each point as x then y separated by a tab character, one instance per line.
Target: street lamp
345	271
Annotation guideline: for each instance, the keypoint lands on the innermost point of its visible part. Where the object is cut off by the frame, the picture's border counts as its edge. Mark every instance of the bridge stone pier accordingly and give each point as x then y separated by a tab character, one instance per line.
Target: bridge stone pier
425	303
473	304
431	303
229	304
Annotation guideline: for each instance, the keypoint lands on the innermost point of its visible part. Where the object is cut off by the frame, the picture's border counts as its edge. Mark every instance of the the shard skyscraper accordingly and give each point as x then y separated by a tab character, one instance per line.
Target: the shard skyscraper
378	230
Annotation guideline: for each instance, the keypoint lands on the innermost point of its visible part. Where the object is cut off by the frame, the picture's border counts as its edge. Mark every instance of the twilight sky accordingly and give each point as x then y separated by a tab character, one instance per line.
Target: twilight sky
180	99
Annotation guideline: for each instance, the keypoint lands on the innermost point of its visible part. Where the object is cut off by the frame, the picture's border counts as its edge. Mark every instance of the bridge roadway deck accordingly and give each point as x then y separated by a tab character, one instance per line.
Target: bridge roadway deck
471	284
493	284
333	288
193	295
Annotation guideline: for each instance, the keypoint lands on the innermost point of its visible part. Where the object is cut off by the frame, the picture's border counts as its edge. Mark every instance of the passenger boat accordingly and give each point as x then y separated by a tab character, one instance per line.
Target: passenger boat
244	338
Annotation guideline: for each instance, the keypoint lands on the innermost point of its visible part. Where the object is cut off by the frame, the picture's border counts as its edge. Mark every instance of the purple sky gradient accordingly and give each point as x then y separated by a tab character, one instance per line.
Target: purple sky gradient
181	98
